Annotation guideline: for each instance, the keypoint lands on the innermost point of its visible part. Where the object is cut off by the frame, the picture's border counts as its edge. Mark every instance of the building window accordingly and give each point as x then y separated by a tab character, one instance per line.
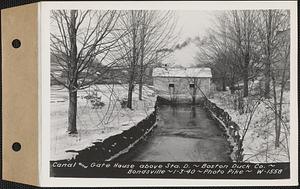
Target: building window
171	85
192	85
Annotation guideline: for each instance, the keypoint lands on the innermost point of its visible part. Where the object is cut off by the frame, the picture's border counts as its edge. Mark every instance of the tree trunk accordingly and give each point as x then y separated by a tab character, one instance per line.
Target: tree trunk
142	60
268	55
141	87
232	88
133	62
194	91
223	84
193	112
72	112
246	74
129	98
130	88
267	79
141	73
277	136
283	82
245	79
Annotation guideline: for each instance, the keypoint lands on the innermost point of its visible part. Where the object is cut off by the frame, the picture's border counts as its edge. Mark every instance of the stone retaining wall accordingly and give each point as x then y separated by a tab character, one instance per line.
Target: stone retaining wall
225	122
116	145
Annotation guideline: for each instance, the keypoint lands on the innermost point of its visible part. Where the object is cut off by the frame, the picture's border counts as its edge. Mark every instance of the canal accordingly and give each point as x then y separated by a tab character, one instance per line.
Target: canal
183	133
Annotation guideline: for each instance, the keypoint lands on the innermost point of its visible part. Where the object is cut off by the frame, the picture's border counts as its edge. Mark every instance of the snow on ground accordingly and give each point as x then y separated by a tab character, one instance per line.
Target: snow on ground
259	141
94	124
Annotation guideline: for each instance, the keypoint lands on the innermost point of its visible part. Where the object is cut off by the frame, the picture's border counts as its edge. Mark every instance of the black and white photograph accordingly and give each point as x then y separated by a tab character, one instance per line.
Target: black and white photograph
161	86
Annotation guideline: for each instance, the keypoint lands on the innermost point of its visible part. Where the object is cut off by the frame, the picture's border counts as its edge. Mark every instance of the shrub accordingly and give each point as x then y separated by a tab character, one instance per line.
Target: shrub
124	103
96	102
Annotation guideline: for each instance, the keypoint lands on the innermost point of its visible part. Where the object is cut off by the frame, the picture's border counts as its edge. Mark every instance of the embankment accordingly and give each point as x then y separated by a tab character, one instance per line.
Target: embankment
116	145
225	122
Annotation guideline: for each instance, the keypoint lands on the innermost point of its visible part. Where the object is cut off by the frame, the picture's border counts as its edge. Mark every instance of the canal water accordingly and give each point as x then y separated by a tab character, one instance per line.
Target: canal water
183	133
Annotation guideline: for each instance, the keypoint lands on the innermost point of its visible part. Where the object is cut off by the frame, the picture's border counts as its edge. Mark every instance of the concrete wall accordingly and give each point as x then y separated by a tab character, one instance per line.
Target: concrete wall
181	91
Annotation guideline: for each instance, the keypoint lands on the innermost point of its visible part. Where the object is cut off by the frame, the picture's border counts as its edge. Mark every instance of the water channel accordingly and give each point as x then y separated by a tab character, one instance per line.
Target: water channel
183	133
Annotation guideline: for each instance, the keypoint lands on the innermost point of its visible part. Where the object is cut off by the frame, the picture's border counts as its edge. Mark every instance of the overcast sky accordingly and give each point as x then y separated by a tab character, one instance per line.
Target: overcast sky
193	23
190	24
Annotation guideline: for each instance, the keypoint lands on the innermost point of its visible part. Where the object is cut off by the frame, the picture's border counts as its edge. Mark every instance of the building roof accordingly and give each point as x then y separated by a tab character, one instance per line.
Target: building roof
182	72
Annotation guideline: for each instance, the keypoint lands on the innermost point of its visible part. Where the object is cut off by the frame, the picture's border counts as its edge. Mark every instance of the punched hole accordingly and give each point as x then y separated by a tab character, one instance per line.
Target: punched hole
16	146
16	43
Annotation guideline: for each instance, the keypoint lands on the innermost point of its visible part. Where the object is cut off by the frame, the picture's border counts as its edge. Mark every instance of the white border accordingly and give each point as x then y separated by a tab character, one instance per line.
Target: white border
45	7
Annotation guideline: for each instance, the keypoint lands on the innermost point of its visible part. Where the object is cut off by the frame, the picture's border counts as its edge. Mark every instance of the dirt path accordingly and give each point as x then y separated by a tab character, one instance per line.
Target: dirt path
183	134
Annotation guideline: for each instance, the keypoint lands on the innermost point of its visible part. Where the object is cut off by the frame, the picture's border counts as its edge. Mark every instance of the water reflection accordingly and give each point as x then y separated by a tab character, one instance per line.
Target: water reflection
183	133
193	111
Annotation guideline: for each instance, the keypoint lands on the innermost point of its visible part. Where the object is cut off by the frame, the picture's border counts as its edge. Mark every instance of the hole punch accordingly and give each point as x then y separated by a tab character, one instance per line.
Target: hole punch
16	43
16	146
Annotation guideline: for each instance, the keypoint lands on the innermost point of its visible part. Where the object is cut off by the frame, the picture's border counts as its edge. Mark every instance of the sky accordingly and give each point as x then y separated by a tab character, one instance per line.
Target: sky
193	23
190	24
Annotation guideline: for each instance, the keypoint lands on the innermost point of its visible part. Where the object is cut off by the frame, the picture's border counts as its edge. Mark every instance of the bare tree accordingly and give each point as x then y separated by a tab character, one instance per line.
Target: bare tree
81	40
214	54
218	52
230	48
274	41
242	32
128	49
147	32
246	45
280	75
271	22
156	33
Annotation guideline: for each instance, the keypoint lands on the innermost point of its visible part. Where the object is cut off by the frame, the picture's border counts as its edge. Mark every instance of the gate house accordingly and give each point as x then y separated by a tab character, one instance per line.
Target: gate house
182	85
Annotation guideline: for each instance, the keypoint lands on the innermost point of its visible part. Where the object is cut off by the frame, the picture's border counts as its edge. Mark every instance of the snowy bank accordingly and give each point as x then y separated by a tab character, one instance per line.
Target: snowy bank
258	127
95	124
116	145
224	121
